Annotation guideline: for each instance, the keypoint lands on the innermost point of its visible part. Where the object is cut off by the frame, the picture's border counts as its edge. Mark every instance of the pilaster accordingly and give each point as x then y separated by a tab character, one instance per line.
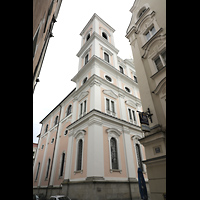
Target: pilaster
95	156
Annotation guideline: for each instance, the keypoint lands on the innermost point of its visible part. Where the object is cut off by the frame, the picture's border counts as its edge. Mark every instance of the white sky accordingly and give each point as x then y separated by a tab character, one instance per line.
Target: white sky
61	63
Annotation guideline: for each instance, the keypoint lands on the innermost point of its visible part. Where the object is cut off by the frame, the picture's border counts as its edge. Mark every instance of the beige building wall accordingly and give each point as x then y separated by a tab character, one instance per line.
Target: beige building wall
147	36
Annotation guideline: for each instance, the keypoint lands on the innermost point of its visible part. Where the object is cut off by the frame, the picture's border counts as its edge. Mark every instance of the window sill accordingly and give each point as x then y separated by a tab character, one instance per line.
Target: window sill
116	170
158	72
79	171
111	113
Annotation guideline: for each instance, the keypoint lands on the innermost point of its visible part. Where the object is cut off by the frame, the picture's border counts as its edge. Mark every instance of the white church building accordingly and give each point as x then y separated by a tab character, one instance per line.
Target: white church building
88	146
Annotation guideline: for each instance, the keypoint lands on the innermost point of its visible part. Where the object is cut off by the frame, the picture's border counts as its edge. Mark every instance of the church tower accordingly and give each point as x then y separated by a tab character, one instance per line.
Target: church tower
98	150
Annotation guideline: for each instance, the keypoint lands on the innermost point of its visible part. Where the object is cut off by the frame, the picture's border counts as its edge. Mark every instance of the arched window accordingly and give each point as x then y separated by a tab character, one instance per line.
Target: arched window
69	110
48	165
139	158
62	164
84	80
114	157
141	12
104	35
46	129
79	157
56	120
38	168
88	37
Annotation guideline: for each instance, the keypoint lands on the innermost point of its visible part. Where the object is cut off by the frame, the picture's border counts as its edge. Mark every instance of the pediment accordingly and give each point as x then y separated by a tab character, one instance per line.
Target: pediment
82	95
110	93
131	103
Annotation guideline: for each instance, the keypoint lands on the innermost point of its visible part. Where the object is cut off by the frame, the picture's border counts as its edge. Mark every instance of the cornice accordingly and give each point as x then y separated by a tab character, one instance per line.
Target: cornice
102	40
98	116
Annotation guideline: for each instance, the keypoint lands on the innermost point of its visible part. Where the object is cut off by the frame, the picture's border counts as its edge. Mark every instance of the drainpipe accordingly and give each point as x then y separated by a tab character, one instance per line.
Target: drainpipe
127	169
54	151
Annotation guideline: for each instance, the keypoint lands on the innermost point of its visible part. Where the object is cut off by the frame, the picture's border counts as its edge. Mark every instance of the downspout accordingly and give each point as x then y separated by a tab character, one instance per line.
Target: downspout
54	150
127	164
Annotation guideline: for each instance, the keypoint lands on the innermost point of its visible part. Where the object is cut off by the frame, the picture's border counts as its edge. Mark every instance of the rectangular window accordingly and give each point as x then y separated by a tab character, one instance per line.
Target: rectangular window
107	104
160	60
132	116
106	57
121	69
148	36
112	106
83	107
150	33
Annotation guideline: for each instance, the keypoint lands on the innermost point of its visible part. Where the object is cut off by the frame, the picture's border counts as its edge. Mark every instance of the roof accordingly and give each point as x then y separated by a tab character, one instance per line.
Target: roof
59	104
99	18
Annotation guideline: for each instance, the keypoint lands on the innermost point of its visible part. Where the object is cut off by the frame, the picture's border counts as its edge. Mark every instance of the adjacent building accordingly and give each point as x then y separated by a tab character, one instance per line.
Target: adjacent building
45	13
89	145
147	36
35	145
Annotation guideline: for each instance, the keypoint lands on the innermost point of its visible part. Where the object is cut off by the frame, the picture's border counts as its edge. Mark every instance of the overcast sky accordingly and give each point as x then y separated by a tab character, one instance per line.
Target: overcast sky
61	63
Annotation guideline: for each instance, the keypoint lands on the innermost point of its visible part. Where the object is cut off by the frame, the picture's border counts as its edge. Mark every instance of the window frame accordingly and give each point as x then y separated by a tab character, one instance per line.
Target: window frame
47	169
108	78
132	117
110	102
148	31
62	165
106	55
121	69
83	107
79	135
86	59
163	61
104	35
114	133
67	111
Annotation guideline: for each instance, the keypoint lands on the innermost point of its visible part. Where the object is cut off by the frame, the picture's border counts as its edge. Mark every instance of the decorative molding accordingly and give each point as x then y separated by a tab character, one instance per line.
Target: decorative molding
80	134
110	93
82	95
113	132
95	82
131	103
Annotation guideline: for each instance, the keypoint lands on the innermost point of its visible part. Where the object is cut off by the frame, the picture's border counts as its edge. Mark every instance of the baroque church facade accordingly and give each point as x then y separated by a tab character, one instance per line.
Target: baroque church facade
89	144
